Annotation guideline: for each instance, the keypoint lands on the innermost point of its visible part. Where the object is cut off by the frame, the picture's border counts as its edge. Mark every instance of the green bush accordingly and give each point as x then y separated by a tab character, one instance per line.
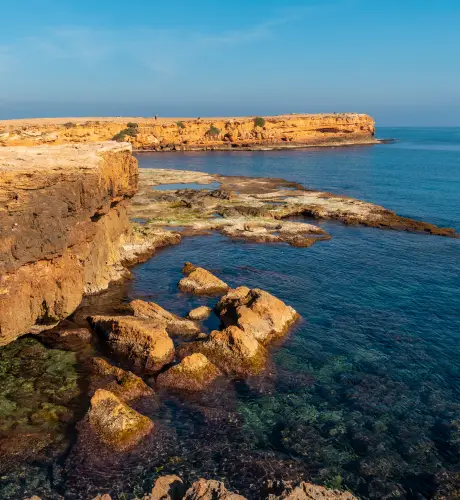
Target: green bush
69	125
181	124
120	137
259	122
213	131
132	125
131	131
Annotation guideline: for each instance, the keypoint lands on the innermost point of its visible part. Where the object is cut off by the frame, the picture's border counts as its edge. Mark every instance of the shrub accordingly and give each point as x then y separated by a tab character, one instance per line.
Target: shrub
69	125
181	124
120	137
132	125
213	131
130	132
259	122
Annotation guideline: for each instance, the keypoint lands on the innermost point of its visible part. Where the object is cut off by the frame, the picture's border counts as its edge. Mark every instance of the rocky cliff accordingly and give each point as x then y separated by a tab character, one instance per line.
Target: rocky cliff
191	134
62	223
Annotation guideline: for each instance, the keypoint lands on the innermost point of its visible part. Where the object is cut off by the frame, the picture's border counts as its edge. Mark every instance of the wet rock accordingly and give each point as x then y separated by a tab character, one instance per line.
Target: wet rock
232	350
105	496
199	313
124	384
140	342
210	490
116	424
193	373
167	488
173	324
257	313
306	491
200	281
67	336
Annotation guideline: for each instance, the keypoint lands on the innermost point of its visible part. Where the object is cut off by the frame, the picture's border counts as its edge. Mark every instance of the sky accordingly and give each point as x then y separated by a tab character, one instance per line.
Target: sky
398	60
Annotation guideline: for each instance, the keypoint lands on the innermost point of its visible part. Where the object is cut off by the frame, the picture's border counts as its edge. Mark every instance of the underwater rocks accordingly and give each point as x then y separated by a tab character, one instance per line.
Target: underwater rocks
193	373
200	313
232	350
124	384
66	336
141	343
116	424
173	324
200	281
257	313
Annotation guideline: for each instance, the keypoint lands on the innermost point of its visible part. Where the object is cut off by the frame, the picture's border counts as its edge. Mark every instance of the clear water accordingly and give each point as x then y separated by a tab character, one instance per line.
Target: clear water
364	393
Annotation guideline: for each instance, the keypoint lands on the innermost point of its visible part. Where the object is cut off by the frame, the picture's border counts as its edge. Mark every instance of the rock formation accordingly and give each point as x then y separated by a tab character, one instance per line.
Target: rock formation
116	424
141	343
199	313
193	373
283	131
200	281
257	313
210	490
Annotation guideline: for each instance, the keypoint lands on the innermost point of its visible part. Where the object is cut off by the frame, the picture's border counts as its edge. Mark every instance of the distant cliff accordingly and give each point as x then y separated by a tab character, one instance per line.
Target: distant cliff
166	134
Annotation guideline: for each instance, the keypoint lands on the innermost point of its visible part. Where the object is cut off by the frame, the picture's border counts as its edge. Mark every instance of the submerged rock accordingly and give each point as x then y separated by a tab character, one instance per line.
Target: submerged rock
141	342
210	490
232	350
193	373
66	336
116	424
199	313
200	281
173	324
257	313
124	384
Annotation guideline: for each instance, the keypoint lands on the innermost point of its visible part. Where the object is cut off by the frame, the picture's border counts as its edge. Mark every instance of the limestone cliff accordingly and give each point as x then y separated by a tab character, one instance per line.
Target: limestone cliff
62	222
191	134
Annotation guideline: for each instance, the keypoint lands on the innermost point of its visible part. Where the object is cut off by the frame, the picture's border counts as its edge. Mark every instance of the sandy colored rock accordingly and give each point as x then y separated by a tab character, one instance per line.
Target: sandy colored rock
200	281
167	488
104	496
173	324
193	373
116	424
140	342
199	313
308	491
124	384
164	134
232	350
257	313
210	490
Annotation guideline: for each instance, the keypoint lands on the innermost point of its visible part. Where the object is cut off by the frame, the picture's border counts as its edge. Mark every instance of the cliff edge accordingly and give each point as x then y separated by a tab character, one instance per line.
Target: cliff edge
166	134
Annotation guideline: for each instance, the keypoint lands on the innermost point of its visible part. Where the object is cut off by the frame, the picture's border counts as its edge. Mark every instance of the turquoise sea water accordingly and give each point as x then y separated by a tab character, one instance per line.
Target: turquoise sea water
363	394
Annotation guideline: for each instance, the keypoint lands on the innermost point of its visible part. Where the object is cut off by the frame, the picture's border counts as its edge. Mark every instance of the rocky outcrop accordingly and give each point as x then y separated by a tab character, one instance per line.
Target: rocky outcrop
199	313
116	424
283	131
141	343
124	384
193	373
66	336
167	488
305	491
210	490
173	324
257	313
233	351
200	281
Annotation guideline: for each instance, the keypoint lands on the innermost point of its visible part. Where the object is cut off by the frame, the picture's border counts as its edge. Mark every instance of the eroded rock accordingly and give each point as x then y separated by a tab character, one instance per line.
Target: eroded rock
200	281
193	373
173	324
66	336
308	491
138	341
210	490
167	488
116	424
257	313
199	313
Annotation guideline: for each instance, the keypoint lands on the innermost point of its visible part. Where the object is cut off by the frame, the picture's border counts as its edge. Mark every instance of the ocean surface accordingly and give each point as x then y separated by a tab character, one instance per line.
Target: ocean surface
364	393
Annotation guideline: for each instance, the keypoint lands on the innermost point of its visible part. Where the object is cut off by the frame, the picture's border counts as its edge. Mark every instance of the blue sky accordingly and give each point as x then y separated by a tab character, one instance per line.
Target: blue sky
397	60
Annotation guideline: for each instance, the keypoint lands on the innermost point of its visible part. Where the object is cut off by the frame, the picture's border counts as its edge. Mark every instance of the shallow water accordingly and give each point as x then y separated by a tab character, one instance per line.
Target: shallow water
364	392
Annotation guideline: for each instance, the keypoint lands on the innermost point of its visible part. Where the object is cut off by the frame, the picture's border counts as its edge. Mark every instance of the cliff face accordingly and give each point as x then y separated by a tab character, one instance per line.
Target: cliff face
189	134
62	221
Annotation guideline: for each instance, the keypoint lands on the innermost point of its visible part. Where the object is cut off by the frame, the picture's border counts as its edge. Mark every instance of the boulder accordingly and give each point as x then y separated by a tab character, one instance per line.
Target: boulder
210	490
66	336
193	373
116	424
167	488
124	384
257	313
308	491
173	324
200	281
140	342
232	350
199	313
